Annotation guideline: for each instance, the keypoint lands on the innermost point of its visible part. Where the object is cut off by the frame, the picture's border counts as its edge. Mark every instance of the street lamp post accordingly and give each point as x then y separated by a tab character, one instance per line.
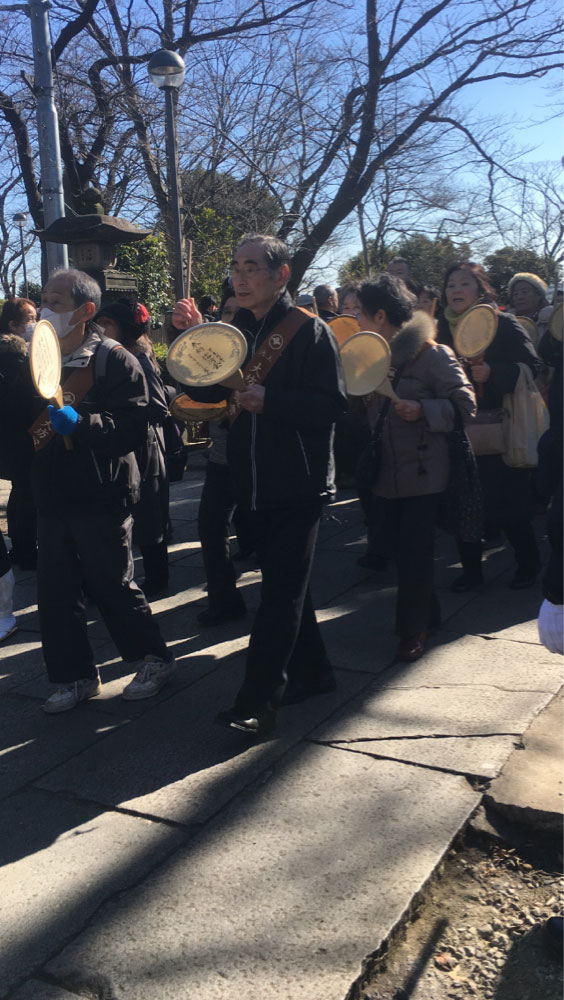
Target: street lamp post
48	129
166	71
20	220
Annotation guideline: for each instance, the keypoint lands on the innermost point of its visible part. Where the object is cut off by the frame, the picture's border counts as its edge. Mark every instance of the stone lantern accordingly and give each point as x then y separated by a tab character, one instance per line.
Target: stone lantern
92	242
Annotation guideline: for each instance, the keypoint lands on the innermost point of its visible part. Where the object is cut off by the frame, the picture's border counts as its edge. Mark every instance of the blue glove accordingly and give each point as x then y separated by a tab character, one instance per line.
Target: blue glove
64	420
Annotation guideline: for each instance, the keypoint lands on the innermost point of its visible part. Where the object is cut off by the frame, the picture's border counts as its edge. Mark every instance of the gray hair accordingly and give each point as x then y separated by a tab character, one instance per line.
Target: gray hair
275	251
83	288
322	294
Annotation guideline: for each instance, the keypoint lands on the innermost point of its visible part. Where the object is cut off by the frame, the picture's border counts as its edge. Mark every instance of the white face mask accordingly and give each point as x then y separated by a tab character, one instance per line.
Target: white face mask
28	330
59	321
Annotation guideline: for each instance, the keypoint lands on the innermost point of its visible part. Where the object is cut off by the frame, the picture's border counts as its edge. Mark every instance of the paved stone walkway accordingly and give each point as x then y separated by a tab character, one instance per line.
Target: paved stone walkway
146	848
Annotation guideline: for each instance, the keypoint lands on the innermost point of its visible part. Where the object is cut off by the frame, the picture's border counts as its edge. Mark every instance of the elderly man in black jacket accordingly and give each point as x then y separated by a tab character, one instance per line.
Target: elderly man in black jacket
83	496
280	455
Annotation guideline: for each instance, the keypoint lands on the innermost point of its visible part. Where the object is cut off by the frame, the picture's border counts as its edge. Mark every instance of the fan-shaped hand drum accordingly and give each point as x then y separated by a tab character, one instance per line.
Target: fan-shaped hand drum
366	363
344	327
45	366
208	354
475	331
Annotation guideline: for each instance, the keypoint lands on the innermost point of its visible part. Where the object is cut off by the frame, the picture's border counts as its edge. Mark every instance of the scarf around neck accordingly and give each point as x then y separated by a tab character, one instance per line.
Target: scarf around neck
453	319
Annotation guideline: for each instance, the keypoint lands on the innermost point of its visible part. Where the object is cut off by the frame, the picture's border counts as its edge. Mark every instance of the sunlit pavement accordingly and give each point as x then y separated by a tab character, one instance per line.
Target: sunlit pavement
146	849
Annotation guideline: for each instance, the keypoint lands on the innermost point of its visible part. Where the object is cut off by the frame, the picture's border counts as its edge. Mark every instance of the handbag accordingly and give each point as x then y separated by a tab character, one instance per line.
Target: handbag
487	433
461	510
368	466
527	421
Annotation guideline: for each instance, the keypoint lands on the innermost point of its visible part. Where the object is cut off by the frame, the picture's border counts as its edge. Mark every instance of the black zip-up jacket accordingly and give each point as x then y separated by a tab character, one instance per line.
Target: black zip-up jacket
101	469
284	456
150	458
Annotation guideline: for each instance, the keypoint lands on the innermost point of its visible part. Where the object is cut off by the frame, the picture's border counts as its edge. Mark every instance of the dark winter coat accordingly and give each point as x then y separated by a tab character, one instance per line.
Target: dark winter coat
150	513
284	455
101	468
150	457
16	448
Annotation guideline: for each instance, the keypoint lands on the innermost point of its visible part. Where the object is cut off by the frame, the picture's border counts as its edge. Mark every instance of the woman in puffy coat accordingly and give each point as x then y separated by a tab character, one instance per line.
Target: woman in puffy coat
414	463
17	322
507	491
129	326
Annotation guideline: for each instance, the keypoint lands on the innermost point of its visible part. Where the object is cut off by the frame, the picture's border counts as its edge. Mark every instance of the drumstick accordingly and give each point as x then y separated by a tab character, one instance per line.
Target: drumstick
467	364
188	267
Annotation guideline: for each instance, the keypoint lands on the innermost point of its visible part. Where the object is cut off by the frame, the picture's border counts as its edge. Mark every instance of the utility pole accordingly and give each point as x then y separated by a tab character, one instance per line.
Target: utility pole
48	129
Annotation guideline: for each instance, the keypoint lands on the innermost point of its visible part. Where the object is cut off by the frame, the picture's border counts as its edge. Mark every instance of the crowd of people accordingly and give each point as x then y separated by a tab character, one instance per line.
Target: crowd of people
89	479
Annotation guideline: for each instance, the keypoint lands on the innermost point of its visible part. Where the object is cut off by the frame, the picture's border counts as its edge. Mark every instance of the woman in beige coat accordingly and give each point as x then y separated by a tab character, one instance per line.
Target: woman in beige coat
414	463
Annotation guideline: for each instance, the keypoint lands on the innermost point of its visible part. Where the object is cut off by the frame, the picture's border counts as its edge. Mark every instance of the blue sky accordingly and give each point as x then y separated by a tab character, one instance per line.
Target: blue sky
526	106
530	103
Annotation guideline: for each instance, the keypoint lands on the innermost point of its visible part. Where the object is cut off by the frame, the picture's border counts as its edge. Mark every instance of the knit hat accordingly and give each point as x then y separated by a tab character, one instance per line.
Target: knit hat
532	279
134	321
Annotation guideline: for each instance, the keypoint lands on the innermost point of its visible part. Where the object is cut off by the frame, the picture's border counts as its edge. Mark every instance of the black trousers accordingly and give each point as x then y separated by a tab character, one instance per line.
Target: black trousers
243	530
94	549
22	520
507	506
409	524
214	519
378	541
285	639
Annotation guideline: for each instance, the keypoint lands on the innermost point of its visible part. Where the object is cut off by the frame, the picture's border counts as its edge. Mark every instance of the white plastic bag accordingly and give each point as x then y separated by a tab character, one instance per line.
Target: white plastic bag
527	421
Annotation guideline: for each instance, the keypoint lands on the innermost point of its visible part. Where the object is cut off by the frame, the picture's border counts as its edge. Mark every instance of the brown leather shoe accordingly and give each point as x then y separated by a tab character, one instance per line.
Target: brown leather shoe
412	648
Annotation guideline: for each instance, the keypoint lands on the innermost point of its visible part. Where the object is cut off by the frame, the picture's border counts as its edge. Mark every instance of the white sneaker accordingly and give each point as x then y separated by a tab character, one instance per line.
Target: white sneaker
149	679
7	626
69	695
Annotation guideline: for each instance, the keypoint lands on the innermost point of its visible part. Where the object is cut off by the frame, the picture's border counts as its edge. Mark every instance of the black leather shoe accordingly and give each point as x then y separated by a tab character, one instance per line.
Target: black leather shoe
208	618
256	725
464	584
298	690
412	648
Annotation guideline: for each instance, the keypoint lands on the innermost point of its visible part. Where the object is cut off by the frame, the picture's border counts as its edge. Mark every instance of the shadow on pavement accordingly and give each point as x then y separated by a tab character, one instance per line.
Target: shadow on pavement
208	829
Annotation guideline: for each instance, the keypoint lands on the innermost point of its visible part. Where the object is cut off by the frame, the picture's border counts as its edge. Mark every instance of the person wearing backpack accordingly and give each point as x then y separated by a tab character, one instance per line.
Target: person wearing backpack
129	326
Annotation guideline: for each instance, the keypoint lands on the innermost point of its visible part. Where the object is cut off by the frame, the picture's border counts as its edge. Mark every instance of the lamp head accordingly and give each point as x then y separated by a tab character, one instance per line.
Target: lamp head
166	69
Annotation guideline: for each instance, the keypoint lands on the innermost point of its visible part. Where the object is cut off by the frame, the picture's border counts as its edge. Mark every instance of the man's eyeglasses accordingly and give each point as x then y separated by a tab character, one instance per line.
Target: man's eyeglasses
248	271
